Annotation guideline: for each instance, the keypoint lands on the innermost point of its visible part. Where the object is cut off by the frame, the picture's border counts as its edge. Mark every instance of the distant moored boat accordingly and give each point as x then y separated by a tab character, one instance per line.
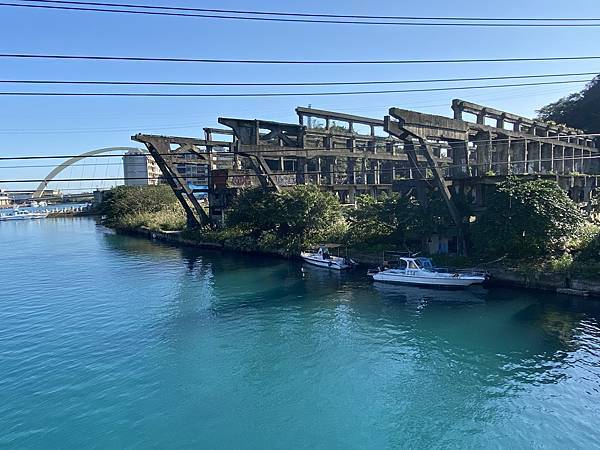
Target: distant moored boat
23	215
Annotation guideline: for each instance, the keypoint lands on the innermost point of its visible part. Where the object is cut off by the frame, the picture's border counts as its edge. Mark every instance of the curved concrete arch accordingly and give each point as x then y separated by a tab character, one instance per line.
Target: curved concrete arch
58	169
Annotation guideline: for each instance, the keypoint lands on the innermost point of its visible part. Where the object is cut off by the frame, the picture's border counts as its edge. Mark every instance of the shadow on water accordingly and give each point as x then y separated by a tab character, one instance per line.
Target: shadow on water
499	325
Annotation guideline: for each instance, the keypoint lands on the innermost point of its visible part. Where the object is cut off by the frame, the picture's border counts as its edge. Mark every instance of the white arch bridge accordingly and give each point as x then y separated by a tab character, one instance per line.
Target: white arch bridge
39	192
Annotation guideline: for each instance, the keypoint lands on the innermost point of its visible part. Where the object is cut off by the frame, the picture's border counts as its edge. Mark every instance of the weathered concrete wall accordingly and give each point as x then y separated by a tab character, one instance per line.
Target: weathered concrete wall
544	281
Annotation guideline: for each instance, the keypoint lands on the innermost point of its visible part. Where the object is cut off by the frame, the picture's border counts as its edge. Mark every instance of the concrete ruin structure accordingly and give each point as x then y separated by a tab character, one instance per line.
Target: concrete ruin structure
407	152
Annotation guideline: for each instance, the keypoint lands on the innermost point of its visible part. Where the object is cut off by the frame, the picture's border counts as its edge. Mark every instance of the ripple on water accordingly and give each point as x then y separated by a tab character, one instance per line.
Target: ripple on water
123	343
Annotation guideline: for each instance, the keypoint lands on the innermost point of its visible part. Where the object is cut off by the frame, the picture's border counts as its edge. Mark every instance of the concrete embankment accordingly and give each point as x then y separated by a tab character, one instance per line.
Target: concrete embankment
557	282
500	276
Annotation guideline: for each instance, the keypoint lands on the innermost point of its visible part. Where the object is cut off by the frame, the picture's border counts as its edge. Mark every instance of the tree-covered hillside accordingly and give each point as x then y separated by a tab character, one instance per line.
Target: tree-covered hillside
579	110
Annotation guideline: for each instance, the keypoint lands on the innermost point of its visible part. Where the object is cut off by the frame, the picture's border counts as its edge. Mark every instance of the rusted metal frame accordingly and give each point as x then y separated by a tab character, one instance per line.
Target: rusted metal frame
395	129
159	148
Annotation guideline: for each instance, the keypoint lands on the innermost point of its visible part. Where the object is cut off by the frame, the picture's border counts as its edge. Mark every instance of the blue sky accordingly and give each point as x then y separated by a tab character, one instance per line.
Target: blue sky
30	125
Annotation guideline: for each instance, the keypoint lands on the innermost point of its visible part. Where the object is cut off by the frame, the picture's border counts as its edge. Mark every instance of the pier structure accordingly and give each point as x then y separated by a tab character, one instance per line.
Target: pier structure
406	151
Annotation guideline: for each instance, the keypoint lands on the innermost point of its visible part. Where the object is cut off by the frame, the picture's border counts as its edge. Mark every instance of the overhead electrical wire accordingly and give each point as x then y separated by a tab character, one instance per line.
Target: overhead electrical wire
297	17
280	61
295	150
278	94
298	83
381	170
273	13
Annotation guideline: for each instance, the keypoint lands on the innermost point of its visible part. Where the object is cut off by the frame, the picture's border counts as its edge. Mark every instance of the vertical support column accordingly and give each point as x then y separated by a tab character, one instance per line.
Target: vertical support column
526	156
331	167
351	171
318	174
499	162
570	160
460	158
508	162
377	172
301	169
490	149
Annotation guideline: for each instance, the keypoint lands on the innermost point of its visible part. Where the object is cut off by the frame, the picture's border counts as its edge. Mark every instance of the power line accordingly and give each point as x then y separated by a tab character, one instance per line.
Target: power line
277	94
296	150
299	83
370	170
504	24
191	125
279	61
272	13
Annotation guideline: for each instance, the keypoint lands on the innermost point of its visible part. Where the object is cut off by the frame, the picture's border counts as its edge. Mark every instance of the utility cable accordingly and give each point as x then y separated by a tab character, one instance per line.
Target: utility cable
280	61
299	83
277	94
505	24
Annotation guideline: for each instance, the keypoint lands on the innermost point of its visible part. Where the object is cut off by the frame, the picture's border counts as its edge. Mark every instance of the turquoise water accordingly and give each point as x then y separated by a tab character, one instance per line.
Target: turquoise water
115	342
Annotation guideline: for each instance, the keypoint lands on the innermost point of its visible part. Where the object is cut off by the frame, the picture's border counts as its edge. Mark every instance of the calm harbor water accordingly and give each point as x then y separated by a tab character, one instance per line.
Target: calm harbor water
109	341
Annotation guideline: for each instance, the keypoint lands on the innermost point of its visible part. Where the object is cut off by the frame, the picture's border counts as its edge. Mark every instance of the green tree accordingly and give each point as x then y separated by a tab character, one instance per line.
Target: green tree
579	110
133	206
526	218
389	219
304	213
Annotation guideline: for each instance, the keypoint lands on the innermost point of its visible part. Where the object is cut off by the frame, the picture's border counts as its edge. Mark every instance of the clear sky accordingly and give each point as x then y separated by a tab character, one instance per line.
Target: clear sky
31	125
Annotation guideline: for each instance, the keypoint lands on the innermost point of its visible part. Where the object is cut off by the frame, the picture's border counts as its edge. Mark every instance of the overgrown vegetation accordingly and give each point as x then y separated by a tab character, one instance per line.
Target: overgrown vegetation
526	219
130	207
298	217
527	223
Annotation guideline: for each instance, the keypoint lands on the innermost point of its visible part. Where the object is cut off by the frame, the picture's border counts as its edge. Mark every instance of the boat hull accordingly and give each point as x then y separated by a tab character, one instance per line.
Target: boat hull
415	280
32	216
333	263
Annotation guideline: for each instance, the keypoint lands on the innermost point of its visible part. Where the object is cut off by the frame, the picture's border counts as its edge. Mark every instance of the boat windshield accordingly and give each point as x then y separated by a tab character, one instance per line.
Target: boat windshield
399	264
424	263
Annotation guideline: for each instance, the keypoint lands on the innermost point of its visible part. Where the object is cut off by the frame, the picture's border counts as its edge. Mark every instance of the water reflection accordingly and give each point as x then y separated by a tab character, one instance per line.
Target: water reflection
463	362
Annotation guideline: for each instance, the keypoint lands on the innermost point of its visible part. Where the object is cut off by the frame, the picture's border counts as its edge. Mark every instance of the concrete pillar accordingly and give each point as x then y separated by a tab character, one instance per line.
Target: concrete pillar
526	157
351	171
561	163
556	158
318	175
301	169
377	173
499	165
546	163
500	122
351	195
457	108
363	170
460	158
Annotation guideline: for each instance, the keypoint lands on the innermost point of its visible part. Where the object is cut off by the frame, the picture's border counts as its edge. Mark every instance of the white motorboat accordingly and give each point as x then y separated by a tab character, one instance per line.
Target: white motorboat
420	271
23	215
323	258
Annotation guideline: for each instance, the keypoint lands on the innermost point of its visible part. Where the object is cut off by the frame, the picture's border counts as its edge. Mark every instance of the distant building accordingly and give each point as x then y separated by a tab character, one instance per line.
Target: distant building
196	171
140	169
26	195
5	200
